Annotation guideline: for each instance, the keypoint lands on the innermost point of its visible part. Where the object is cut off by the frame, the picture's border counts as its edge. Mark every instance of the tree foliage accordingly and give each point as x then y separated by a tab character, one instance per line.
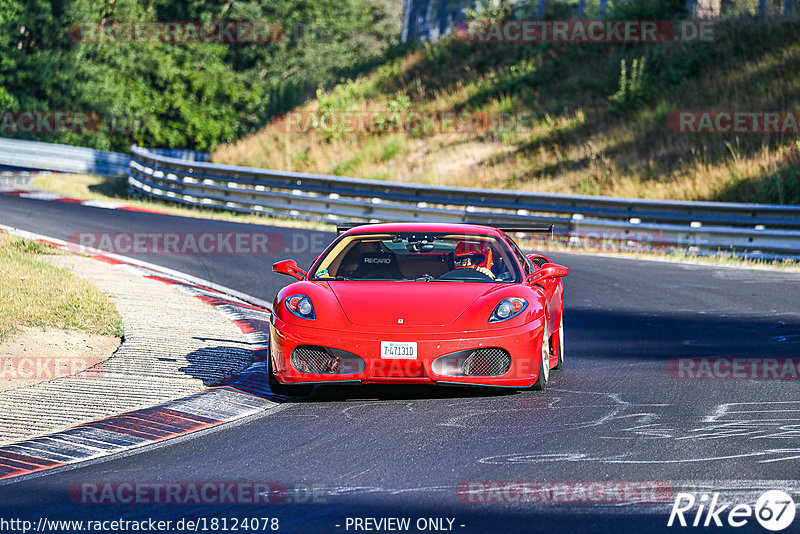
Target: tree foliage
193	95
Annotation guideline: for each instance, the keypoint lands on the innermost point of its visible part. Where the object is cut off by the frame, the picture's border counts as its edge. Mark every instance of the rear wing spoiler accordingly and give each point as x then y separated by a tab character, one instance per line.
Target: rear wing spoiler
527	229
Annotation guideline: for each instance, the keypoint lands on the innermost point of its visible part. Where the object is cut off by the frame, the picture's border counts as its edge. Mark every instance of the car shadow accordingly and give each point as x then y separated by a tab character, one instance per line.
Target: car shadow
390	392
214	365
253	381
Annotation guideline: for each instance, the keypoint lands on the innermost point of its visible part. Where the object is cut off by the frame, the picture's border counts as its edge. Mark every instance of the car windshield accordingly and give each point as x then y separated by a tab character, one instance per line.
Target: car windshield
421	257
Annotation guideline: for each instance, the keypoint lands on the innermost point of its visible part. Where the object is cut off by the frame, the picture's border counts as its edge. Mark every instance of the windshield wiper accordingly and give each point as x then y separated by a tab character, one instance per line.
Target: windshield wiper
424	278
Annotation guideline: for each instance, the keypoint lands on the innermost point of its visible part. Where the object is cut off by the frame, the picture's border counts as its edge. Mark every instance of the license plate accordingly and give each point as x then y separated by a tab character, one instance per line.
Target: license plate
399	350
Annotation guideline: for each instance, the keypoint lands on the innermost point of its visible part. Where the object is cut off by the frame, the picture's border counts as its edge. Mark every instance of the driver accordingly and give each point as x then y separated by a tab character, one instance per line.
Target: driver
476	256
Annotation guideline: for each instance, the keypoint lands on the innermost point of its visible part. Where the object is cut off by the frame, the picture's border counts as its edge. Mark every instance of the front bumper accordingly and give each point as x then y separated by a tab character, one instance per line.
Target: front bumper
523	343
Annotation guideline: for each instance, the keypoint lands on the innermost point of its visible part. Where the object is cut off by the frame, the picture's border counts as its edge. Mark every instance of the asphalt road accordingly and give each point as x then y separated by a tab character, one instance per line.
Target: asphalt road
617	411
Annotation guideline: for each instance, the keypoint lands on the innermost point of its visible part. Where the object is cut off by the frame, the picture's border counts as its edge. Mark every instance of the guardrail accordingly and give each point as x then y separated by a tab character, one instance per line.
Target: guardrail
754	228
66	158
61	158
772	230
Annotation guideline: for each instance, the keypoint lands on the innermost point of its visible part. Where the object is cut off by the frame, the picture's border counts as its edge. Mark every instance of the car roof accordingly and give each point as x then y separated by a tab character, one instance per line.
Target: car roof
459	228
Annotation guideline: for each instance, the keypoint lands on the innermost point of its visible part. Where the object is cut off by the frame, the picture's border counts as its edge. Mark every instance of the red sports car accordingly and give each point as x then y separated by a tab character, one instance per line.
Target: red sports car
418	303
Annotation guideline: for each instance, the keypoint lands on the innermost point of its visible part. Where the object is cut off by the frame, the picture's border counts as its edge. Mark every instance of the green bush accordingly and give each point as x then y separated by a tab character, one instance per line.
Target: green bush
192	95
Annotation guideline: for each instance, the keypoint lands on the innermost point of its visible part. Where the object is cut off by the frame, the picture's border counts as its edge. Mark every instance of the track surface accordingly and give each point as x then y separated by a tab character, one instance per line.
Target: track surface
612	414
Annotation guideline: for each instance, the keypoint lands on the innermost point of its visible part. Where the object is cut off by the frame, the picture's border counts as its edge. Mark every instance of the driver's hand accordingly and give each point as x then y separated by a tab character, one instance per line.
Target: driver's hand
485	271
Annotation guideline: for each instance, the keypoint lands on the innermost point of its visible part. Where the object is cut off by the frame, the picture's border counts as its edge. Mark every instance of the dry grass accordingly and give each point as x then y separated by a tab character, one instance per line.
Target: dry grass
573	138
34	293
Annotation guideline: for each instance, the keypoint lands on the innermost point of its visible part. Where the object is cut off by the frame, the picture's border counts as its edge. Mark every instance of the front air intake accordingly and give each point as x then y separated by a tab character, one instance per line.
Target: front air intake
325	361
473	362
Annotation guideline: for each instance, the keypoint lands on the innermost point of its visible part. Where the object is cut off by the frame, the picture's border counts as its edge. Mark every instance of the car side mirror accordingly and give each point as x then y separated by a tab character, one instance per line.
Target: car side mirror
548	270
536	256
289	267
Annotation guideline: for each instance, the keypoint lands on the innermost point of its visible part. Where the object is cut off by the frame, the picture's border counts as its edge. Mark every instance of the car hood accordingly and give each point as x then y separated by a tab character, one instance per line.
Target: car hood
382	303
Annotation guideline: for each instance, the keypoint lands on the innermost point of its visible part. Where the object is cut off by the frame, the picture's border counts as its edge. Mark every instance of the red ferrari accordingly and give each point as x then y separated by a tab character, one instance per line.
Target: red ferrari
418	303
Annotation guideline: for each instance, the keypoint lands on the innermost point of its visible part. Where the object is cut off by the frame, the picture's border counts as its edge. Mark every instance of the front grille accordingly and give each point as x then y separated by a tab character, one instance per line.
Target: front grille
487	362
310	359
491	361
321	360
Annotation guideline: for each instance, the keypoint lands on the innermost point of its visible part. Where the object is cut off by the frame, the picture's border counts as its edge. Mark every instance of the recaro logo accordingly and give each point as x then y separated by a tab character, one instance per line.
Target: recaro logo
377	260
774	510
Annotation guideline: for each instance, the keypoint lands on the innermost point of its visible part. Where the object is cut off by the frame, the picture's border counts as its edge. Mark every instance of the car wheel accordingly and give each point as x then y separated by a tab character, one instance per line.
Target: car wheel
544	370
560	344
287	390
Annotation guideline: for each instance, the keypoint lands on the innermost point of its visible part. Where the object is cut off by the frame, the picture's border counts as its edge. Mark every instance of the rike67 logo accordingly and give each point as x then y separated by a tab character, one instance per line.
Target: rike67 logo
774	510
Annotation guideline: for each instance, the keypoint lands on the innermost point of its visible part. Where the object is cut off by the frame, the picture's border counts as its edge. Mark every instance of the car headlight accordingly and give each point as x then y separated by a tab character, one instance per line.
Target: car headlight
508	309
300	306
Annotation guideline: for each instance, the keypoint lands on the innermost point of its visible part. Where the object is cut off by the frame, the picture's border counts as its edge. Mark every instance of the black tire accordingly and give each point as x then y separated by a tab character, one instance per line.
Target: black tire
544	370
286	390
560	363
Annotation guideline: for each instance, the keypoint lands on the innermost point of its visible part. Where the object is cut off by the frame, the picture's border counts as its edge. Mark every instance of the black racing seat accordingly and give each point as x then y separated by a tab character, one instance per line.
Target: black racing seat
378	265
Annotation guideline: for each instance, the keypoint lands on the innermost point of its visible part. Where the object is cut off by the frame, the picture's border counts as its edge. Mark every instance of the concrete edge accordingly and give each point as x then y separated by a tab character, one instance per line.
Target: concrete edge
242	395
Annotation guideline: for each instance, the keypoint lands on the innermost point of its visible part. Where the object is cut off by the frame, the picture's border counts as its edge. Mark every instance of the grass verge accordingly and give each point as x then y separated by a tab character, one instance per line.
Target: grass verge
34	293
